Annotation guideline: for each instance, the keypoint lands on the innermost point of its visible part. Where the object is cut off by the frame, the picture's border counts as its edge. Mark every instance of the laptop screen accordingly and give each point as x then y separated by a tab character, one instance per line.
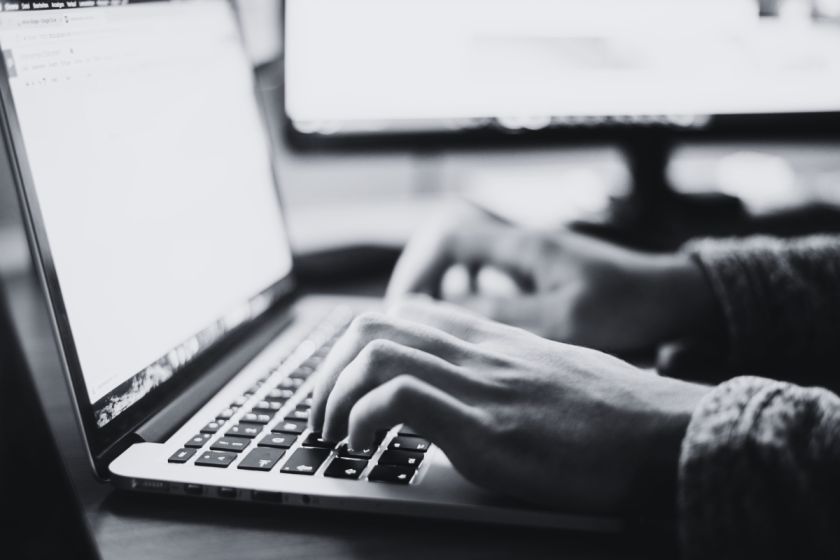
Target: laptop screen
151	167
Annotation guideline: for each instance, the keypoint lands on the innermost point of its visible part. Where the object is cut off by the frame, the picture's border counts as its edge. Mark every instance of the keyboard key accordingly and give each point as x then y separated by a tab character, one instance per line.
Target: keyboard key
303	372
409	443
345	468
280	395
261	459
401	458
306	461
219	459
290	383
314	439
226	414
197	441
290	426
268	407
254	418
346	451
299	414
280	441
406	431
239	401
235	444
395	475
211	428
245	430
182	455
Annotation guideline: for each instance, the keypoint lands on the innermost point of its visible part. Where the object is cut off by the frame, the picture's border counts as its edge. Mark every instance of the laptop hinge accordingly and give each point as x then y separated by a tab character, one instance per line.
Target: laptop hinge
172	416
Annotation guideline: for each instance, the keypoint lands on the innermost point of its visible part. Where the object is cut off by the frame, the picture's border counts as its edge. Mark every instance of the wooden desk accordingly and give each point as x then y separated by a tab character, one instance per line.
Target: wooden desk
128	527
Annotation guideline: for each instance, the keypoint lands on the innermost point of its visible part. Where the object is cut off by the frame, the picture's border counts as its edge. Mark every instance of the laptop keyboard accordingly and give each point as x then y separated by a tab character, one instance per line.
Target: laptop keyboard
265	429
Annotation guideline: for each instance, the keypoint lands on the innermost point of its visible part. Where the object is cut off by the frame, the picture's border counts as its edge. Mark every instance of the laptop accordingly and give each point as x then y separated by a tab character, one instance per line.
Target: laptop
31	460
145	170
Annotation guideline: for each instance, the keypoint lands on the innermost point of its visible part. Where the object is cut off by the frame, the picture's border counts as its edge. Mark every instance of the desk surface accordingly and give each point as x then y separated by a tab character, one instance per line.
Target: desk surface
132	526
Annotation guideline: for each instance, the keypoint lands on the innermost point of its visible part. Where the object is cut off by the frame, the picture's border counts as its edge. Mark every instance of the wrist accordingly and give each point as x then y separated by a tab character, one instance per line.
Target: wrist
654	488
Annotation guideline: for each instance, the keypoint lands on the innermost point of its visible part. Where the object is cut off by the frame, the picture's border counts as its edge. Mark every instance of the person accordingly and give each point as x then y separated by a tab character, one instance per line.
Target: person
524	395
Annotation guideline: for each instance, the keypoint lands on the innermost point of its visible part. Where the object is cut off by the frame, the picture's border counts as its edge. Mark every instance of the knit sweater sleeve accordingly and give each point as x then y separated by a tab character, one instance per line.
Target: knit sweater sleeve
780	299
760	473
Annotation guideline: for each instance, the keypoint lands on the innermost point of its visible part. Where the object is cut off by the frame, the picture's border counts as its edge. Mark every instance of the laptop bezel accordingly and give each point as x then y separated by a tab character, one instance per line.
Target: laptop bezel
105	443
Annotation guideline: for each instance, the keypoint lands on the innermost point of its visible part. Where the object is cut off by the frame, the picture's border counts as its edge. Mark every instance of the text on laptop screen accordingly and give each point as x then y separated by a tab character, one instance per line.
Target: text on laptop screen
151	166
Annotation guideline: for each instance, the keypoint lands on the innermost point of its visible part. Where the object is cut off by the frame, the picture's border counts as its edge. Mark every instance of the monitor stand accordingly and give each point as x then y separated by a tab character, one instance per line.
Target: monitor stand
653	215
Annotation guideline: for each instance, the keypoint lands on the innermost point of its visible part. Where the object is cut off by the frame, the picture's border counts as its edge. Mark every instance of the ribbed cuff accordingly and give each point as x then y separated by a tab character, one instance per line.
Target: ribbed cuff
757	474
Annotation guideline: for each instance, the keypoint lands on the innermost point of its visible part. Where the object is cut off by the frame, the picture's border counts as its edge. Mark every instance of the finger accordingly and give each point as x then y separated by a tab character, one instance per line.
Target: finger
406	399
427	257
373	326
378	363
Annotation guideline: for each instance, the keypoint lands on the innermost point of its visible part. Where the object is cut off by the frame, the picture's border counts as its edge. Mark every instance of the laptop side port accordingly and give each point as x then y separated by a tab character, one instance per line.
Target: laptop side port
273	497
150	485
226	492
193	489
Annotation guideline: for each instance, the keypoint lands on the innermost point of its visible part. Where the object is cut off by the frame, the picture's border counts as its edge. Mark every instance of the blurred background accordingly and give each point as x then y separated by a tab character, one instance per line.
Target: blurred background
551	112
548	112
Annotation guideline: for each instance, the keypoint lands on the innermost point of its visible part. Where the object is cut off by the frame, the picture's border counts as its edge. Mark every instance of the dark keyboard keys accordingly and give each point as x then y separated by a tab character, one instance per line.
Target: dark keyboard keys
219	459
182	455
197	441
279	395
290	383
245	430
409	443
268	407
345	468
407	431
314	439
290	426
254	418
303	372
226	414
299	414
261	459
394	475
401	458
306	461
235	444
211	428
346	451
279	441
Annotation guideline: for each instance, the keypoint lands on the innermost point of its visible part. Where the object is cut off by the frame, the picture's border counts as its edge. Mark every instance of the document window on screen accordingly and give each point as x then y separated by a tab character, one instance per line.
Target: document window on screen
154	181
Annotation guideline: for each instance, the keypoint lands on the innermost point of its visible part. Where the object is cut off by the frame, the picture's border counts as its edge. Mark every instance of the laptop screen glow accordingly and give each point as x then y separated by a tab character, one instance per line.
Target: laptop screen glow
151	165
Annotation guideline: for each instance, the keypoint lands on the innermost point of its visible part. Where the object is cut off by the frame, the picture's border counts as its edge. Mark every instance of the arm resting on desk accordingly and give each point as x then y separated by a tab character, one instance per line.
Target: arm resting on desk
759	473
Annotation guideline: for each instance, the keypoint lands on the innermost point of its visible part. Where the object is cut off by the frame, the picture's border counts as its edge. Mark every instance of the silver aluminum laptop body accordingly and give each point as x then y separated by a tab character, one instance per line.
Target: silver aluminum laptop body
136	425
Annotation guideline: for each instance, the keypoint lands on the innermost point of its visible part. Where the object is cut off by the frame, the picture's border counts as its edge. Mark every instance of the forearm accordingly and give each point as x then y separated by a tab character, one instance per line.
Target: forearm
780	300
759	471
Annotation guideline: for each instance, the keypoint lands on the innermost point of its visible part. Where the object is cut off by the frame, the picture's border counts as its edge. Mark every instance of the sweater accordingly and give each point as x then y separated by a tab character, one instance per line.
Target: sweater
759	470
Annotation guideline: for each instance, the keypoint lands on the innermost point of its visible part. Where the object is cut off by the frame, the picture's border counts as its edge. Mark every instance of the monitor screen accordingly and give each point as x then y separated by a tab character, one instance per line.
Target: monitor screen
151	167
391	65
